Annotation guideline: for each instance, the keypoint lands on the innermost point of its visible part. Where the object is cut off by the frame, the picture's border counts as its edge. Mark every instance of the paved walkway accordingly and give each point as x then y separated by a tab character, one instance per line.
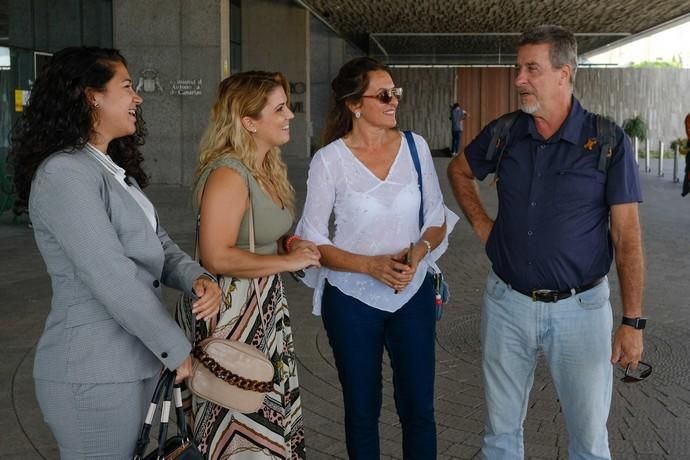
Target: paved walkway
649	420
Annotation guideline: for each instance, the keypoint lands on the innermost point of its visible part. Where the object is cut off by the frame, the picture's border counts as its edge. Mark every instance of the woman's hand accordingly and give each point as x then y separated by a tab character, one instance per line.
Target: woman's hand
302	254
184	370
305	244
419	252
390	270
208	303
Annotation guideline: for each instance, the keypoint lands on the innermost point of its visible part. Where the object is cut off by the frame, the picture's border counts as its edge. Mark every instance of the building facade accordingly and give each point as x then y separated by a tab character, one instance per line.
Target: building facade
179	50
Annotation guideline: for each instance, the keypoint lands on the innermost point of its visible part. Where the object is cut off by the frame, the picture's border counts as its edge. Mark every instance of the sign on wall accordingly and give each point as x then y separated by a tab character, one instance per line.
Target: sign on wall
297	88
190	87
150	82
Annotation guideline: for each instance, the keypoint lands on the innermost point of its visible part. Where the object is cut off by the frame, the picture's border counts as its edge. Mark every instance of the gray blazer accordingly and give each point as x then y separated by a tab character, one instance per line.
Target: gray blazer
107	321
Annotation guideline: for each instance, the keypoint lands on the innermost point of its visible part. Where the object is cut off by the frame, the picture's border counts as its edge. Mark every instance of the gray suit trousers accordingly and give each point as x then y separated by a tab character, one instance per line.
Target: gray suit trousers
95	421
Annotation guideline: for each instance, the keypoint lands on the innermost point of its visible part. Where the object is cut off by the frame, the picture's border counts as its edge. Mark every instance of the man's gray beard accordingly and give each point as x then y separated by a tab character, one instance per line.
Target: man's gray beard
529	109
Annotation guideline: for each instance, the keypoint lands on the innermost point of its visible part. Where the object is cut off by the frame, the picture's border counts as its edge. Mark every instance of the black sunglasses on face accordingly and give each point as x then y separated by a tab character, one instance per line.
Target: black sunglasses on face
642	371
386	95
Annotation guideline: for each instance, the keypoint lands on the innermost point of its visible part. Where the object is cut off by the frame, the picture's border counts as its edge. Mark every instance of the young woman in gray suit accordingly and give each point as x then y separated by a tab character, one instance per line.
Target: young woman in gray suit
76	161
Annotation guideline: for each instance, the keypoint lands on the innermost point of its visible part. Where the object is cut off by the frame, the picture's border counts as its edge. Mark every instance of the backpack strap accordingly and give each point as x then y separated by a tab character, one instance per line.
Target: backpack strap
500	138
418	168
501	134
606	137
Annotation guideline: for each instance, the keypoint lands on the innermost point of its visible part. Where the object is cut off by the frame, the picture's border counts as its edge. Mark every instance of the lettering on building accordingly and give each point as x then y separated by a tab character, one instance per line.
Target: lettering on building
189	87
297	106
297	88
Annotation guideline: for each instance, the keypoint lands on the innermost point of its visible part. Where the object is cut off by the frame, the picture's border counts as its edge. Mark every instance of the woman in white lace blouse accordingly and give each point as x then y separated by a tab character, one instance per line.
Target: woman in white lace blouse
367	294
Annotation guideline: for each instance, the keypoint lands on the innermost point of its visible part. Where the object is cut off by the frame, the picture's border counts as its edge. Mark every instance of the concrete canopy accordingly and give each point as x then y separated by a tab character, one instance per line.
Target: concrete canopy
483	31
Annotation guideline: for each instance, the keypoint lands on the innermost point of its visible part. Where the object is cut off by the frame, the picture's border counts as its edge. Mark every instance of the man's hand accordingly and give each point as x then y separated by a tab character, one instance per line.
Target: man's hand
627	242
208	303
627	346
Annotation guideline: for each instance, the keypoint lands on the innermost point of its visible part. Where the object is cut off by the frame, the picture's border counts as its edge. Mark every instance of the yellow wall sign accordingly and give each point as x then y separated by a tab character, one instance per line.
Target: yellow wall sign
21	98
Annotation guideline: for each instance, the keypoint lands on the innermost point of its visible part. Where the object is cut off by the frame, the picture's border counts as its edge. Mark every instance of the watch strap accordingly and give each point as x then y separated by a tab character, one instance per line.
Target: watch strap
637	323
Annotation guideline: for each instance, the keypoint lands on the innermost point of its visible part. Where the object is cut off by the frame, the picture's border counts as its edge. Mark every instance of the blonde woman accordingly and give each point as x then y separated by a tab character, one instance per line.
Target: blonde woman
240	167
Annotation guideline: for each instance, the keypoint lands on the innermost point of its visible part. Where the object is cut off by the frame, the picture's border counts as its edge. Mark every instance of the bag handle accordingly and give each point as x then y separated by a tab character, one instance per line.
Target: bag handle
230	377
166	388
165	417
163	382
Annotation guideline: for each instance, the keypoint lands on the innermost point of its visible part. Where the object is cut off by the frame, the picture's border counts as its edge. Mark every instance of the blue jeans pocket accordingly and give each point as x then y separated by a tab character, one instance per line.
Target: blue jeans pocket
495	288
594	298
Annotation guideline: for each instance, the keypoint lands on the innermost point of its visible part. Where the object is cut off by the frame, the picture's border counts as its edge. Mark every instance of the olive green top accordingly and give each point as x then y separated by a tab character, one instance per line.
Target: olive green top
270	220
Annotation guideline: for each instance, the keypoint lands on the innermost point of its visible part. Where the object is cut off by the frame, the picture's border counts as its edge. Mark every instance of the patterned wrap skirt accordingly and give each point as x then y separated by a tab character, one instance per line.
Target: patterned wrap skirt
276	430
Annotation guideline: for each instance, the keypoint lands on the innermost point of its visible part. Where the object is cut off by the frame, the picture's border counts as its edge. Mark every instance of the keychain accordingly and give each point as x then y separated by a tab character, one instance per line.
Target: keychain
437	299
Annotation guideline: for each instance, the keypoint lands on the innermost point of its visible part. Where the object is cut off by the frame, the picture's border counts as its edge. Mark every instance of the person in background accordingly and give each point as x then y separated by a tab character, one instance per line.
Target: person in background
373	291
76	160
457	115
686	179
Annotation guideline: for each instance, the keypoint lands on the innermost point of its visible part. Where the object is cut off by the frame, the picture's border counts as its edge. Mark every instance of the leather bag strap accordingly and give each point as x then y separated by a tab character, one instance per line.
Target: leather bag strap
230	377
252	246
166	379
418	167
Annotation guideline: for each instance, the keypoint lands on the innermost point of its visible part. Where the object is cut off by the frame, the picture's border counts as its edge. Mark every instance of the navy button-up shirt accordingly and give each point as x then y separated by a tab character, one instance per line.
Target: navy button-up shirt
552	226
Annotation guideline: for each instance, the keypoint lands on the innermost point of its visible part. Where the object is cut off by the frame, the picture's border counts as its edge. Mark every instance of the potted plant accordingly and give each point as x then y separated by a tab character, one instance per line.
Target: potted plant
682	145
635	127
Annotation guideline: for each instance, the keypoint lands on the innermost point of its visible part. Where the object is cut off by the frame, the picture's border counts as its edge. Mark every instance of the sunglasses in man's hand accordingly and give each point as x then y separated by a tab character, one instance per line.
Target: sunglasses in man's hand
641	372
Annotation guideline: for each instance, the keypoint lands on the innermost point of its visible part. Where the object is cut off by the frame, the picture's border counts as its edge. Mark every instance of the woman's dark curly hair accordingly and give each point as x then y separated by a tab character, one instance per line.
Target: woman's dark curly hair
60	118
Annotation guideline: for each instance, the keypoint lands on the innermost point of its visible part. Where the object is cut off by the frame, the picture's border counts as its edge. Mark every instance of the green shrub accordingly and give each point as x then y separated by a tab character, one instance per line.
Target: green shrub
682	145
635	127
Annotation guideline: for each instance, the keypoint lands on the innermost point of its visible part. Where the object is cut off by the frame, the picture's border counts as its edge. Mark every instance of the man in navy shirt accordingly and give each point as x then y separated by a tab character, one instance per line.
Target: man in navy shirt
561	217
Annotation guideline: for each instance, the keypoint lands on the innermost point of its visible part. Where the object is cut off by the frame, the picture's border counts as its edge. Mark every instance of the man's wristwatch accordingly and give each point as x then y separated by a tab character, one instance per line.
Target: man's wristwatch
637	323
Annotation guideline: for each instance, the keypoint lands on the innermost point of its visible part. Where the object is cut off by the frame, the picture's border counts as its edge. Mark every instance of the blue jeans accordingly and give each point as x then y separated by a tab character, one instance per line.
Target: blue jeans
358	334
456	142
575	337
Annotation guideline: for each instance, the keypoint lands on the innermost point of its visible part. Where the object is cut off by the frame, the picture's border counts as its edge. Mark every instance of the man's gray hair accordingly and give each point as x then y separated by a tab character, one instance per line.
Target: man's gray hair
563	45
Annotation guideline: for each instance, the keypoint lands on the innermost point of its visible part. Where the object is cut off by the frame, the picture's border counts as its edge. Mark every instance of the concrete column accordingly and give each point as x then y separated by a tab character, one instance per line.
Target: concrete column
275	37
173	51
328	53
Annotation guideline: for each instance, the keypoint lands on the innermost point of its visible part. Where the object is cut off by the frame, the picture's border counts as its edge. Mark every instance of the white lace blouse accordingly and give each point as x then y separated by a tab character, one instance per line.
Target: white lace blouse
372	217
